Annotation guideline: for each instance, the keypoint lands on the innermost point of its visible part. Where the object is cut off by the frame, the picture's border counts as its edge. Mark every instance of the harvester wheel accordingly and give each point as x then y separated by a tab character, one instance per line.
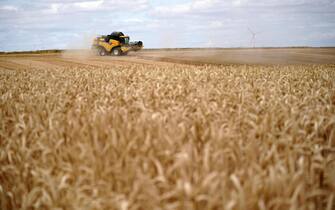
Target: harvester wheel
102	51
116	51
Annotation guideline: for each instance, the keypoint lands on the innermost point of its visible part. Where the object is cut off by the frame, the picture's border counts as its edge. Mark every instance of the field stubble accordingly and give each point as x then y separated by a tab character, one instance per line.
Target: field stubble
155	137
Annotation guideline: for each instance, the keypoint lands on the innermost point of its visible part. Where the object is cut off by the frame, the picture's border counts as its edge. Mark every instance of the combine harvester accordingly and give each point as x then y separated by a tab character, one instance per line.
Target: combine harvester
115	44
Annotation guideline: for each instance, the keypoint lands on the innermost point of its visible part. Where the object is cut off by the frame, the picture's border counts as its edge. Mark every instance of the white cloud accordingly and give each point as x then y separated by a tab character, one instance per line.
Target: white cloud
74	6
216	24
203	4
59	7
171	10
238	3
9	8
54	9
184	8
89	5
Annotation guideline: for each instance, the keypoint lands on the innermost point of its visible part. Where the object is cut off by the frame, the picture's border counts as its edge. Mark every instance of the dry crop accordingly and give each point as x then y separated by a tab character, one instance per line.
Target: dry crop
175	137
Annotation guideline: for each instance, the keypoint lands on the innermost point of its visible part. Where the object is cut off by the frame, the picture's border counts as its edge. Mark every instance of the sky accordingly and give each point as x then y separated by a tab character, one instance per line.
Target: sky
67	24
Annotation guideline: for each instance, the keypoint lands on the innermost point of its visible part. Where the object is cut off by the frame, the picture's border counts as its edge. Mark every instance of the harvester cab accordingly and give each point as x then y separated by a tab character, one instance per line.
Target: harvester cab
115	44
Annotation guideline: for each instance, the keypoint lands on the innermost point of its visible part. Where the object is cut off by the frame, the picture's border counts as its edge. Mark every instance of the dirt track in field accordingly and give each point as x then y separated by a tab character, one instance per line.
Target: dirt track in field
244	56
42	61
171	57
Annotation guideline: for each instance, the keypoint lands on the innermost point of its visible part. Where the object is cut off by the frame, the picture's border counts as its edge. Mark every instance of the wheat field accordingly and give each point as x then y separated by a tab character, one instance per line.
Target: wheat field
174	137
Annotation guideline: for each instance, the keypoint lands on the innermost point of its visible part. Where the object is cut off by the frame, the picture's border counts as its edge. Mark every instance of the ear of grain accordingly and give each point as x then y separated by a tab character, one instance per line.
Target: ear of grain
167	137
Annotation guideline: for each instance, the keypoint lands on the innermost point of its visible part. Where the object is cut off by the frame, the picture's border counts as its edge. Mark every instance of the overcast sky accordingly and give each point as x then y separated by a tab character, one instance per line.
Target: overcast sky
59	24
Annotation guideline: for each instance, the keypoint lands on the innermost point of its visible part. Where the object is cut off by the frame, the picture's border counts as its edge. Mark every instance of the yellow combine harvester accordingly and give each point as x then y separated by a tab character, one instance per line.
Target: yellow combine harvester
115	44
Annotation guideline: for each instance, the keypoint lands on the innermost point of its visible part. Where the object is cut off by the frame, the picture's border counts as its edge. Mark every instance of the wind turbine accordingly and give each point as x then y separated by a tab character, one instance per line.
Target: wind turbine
253	37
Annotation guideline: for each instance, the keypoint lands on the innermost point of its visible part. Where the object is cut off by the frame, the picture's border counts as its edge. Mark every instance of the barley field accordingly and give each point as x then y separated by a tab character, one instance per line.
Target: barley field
156	136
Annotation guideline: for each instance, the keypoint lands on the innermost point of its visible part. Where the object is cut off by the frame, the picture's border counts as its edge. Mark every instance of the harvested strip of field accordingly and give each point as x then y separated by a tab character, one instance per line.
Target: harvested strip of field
168	137
72	60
